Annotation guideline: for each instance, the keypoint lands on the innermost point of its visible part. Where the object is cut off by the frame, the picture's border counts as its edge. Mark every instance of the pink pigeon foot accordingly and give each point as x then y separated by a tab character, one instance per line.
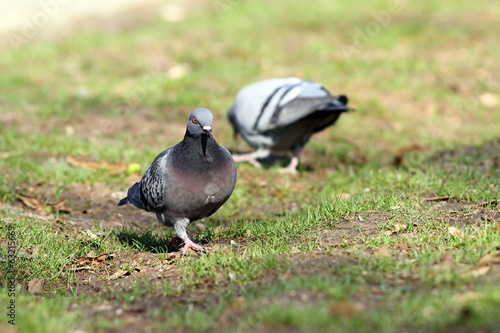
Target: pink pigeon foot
189	244
292	167
248	157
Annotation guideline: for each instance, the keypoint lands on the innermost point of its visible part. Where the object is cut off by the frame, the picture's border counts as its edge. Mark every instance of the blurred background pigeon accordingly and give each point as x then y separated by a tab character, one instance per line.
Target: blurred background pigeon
281	114
188	181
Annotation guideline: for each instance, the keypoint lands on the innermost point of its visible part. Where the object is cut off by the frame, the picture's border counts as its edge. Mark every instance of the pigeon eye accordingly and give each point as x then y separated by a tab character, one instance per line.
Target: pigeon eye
195	121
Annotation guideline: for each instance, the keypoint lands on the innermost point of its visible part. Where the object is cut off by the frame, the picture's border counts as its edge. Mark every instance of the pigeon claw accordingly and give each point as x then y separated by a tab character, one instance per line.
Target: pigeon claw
248	157
189	244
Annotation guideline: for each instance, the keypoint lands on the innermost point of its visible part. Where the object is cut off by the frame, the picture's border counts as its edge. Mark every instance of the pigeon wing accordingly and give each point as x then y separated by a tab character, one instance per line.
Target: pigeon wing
152	186
302	107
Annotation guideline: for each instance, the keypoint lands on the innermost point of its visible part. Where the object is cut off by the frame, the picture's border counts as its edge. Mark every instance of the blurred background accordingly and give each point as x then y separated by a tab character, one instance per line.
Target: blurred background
114	82
92	91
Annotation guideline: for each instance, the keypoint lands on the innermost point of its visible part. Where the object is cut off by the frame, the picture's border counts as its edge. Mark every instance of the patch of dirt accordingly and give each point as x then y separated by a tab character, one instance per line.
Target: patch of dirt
124	269
346	230
102	128
483	158
463	213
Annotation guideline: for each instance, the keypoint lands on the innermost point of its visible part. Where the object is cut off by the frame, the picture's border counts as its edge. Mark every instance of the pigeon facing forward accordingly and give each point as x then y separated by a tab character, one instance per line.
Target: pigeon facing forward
188	181
281	115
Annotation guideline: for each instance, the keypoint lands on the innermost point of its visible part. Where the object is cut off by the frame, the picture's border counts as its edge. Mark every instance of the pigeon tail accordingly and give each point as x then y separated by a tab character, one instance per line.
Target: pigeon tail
124	201
337	104
232	120
133	197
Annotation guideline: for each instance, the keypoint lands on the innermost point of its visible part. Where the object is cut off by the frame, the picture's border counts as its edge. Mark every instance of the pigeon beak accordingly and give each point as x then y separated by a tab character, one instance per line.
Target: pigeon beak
207	129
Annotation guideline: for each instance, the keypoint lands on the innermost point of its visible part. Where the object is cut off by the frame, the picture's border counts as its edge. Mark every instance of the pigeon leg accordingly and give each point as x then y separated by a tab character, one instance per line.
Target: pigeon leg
248	157
294	162
189	244
180	230
174	241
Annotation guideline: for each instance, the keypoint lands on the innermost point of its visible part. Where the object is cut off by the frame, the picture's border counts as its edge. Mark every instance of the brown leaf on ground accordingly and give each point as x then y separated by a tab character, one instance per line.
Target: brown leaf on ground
398	227
81	268
56	204
30	201
118	274
36	204
35	286
95	260
112	168
479	271
489	259
399	158
456	232
497	228
346	308
90	234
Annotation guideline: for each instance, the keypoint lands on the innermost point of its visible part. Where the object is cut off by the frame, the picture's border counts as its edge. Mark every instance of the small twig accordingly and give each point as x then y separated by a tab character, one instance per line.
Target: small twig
443	198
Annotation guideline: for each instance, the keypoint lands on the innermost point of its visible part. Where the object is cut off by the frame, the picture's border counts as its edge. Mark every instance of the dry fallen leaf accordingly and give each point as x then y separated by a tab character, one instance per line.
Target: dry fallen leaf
81	268
36	204
456	232
118	275
479	271
112	168
398	227
30	201
489	259
91	259
91	234
346	308
35	286
399	158
497	228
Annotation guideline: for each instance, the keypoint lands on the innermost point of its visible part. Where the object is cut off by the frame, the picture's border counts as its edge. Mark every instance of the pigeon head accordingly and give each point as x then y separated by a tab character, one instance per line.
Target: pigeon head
200	122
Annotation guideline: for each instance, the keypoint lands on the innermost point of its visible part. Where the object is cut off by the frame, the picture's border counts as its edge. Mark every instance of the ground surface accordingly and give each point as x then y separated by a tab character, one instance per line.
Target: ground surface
391	224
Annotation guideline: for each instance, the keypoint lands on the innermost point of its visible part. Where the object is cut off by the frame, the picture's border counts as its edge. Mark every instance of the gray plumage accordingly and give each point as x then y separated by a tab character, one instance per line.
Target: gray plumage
188	181
282	114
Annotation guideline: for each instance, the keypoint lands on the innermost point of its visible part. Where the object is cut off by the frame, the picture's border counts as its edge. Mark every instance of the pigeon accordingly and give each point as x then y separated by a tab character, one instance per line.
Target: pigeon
188	181
281	114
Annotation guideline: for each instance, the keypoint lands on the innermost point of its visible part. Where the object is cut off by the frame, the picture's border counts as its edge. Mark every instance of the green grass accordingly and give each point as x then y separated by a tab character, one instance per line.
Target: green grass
348	245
